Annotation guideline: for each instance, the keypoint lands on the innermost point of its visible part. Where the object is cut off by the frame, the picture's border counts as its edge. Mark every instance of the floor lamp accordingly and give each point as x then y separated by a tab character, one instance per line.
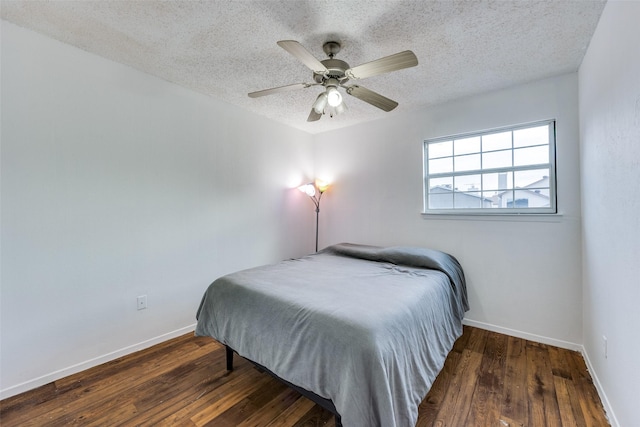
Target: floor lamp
315	191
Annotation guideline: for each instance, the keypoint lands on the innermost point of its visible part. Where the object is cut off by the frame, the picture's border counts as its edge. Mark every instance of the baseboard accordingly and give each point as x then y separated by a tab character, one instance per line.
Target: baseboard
524	335
74	369
603	396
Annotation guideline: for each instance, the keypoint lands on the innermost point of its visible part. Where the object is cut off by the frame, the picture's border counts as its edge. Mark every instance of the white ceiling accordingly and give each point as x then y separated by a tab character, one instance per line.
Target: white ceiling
227	48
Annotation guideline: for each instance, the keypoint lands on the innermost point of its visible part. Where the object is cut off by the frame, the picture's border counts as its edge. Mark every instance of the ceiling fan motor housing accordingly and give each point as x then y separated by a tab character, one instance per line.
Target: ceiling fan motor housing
336	69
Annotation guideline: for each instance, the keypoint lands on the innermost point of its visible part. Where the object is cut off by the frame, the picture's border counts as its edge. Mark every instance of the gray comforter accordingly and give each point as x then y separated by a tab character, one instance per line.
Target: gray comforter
367	327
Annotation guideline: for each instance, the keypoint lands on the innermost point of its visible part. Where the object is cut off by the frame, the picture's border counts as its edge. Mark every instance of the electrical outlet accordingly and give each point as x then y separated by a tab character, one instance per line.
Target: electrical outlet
604	346
142	302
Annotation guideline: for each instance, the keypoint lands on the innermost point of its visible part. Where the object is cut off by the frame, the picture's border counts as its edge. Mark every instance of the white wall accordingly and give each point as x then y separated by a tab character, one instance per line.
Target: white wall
524	274
610	157
117	184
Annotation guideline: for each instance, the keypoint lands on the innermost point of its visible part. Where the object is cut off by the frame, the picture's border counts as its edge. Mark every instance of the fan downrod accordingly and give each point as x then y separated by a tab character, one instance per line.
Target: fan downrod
331	48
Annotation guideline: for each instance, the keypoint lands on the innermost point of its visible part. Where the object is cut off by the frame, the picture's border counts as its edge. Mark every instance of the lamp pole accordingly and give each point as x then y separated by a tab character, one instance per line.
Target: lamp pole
315	191
317	220
316	201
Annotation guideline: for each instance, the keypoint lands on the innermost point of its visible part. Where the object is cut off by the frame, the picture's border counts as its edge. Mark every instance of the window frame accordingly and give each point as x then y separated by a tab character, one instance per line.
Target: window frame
505	211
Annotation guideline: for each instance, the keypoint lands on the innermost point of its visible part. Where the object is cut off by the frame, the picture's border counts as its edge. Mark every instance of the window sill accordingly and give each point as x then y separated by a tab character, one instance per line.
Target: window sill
518	217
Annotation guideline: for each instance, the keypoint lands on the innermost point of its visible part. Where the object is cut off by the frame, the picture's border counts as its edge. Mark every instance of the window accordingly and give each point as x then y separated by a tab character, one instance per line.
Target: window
501	171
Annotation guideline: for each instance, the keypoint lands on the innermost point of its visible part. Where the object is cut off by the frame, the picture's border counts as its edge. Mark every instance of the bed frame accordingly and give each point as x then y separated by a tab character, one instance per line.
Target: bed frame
324	403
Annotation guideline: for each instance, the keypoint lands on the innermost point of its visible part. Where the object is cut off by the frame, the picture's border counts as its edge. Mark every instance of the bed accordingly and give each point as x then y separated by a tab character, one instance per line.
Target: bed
364	330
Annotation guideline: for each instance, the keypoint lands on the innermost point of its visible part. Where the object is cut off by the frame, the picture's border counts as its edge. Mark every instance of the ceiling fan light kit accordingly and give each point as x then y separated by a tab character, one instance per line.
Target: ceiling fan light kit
334	73
333	97
340	108
320	103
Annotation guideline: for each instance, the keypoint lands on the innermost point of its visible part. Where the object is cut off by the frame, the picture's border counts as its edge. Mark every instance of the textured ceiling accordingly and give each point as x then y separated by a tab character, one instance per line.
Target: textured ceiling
226	48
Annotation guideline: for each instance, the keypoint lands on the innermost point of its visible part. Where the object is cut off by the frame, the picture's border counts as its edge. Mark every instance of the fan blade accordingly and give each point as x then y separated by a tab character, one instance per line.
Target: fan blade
371	97
279	89
387	64
313	116
303	55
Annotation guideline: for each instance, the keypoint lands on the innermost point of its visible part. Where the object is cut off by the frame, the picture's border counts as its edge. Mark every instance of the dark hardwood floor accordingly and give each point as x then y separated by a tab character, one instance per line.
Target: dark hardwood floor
489	379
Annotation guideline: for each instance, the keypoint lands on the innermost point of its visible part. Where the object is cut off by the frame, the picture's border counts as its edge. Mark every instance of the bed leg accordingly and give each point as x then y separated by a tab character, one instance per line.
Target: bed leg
229	358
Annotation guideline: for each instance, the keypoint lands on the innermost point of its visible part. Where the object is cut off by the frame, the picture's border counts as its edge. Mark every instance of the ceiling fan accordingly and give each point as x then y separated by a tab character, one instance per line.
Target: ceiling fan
334	73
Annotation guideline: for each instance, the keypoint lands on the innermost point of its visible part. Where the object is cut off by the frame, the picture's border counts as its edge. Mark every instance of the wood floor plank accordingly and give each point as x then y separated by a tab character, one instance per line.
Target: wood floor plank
105	382
543	404
227	396
430	406
488	379
477	340
293	413
269	411
588	398
209	397
437	396
457	404
253	403
486	405
514	397
316	417
463	341
565	387
227	400
110	394
559	363
567	418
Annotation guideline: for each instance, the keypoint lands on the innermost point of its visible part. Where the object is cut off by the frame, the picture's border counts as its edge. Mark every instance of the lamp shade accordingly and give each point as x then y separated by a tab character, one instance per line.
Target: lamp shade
322	186
321	102
339	109
334	98
308	189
